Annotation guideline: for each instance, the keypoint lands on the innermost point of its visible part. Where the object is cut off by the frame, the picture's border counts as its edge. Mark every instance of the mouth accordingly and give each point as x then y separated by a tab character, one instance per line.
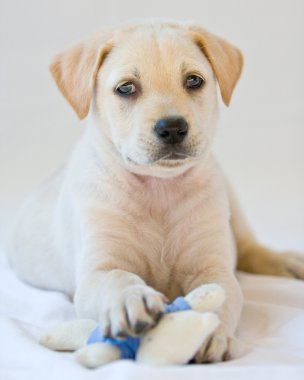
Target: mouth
169	164
173	159
169	159
174	156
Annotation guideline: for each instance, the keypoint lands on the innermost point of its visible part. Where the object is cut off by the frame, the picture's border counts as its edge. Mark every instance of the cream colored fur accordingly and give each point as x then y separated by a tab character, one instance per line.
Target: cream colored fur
122	227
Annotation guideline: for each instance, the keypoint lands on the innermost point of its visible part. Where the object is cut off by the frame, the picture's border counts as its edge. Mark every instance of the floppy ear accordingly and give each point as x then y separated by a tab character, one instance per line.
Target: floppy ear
225	59
75	71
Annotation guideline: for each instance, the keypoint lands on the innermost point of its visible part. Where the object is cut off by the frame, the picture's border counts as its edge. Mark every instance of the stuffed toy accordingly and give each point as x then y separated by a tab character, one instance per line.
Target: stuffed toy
185	325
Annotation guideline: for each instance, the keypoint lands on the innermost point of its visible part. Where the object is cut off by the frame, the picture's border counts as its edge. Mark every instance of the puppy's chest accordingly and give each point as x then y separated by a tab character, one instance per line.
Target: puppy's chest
168	224
166	228
165	243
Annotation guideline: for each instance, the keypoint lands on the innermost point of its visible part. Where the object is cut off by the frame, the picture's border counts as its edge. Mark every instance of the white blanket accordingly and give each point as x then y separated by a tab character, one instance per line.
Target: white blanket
271	332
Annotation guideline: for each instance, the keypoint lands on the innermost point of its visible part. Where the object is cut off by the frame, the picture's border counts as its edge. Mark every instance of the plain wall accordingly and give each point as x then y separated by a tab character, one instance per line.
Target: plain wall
260	140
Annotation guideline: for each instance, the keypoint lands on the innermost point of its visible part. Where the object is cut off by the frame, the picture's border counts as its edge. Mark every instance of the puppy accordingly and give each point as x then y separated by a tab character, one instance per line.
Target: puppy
142	212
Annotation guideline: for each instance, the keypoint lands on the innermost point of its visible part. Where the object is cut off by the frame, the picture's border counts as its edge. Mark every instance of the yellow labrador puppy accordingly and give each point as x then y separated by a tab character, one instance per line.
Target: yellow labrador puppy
142	213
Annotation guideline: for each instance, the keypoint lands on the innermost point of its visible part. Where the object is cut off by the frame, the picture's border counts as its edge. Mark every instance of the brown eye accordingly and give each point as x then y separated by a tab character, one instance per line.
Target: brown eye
127	88
194	81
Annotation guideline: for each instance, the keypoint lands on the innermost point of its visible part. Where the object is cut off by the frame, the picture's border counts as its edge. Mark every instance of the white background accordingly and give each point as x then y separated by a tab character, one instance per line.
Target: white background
261	137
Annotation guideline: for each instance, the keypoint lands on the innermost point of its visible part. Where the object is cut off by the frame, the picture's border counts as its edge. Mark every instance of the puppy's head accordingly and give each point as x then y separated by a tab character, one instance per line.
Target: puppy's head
155	91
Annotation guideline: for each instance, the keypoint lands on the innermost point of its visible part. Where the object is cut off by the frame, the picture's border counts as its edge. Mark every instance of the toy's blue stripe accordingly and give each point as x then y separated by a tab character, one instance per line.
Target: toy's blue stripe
180	304
128	347
96	337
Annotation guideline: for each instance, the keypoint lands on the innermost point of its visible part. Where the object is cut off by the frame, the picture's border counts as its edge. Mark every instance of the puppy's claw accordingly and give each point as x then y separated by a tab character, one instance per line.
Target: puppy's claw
218	348
140	327
134	312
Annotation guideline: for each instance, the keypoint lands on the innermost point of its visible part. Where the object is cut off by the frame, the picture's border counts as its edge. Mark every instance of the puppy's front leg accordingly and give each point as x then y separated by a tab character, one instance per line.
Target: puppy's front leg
110	286
221	345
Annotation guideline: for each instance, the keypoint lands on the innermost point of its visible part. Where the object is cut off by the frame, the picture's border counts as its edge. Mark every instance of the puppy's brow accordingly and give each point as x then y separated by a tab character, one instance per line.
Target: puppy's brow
183	67
186	67
136	73
191	66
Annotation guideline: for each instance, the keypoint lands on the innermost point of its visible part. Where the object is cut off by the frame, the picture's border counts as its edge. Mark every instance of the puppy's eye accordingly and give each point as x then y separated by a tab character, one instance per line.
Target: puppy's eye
127	88
194	81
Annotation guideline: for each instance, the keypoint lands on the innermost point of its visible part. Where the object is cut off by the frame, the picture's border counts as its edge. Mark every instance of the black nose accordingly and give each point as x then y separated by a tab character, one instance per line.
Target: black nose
171	130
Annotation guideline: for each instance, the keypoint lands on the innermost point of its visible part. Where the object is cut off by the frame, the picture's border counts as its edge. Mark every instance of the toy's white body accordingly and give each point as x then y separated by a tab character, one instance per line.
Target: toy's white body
187	330
175	339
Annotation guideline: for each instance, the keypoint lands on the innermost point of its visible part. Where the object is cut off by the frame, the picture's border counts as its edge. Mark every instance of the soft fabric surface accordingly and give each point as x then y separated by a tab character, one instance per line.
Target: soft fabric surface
271	332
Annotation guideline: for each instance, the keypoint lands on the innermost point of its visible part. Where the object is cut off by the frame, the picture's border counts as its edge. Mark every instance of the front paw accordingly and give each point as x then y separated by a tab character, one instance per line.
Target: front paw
219	347
136	309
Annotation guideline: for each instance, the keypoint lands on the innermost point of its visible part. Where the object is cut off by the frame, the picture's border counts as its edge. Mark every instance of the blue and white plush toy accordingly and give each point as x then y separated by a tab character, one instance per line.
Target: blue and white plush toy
183	328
